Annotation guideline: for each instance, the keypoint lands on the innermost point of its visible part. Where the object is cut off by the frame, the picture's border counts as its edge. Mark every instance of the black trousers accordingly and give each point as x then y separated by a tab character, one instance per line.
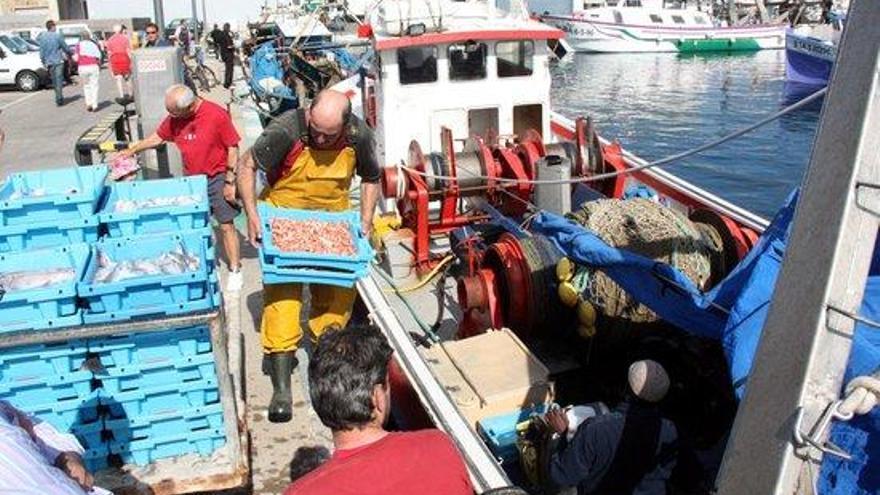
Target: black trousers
228	68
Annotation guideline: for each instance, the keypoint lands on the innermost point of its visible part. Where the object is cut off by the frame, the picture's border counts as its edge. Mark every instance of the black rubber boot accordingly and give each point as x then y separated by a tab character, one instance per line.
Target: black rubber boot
280	366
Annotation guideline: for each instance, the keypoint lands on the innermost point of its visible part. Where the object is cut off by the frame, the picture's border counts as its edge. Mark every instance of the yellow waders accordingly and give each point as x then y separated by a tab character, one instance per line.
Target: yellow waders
318	180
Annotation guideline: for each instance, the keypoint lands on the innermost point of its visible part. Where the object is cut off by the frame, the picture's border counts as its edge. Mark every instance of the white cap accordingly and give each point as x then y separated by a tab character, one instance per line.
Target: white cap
648	380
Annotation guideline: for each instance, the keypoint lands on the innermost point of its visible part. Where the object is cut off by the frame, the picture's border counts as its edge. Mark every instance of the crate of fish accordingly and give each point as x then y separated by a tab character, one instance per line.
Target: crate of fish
155	399
305	245
48	234
151	347
38	288
162	274
153	206
59	195
142	451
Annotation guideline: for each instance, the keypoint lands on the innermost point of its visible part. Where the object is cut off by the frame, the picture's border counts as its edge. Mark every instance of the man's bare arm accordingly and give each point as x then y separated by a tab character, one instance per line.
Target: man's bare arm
369	198
246	169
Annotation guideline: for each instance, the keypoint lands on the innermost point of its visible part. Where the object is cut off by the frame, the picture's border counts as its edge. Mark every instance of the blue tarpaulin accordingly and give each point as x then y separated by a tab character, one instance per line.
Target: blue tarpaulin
745	295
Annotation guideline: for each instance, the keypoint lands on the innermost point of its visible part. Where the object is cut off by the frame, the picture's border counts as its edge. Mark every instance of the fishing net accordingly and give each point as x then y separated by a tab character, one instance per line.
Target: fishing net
652	230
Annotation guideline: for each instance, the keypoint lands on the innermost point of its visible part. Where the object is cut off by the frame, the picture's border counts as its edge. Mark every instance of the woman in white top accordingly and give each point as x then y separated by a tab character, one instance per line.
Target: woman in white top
88	59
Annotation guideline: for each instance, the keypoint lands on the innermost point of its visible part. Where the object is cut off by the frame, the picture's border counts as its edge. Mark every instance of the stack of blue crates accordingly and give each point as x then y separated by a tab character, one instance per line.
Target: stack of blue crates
160	219
139	398
281	267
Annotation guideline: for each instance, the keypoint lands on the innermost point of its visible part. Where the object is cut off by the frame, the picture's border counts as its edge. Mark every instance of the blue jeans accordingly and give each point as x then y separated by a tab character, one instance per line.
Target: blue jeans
57	73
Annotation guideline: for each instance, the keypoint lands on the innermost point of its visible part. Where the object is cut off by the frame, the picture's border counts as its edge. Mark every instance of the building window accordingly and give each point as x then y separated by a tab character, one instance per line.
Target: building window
514	58
617	17
656	19
467	61
678	19
417	64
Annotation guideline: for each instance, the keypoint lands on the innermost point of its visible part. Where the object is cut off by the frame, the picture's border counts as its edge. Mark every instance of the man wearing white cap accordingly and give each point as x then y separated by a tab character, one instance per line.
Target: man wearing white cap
631	450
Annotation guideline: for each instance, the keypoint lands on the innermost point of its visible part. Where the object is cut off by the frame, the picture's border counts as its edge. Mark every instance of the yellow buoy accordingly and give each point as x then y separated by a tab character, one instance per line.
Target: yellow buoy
565	270
568	294
586	332
586	314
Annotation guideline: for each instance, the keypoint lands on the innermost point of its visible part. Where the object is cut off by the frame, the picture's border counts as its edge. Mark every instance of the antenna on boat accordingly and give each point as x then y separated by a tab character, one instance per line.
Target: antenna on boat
779	435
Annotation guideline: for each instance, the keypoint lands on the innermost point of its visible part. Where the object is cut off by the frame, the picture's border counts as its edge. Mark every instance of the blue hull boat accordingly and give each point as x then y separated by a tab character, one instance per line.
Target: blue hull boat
808	60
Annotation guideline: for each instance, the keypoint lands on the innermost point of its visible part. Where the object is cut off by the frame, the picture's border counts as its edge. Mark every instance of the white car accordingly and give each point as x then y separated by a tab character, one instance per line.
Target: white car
20	66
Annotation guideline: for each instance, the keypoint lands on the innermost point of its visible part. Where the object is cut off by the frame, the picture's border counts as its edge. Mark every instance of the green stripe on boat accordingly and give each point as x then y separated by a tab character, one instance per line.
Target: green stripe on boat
717	45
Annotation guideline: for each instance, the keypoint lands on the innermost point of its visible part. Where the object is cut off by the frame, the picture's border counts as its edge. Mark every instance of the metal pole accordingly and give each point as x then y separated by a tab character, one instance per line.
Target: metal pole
159	14
800	361
195	16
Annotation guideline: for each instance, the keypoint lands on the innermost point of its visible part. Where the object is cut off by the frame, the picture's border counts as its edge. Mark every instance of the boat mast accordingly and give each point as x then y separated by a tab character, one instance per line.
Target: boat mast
800	362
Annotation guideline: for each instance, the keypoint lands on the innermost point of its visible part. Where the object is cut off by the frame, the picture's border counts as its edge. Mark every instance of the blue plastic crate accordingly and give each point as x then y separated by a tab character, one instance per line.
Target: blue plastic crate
160	399
48	234
274	275
68	194
152	347
41	360
159	219
152	294
48	307
275	256
96	459
142	452
90	435
165	424
60	387
500	431
63	414
130	377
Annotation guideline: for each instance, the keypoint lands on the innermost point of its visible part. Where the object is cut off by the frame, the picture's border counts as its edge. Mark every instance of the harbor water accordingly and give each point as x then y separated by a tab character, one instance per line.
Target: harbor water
657	105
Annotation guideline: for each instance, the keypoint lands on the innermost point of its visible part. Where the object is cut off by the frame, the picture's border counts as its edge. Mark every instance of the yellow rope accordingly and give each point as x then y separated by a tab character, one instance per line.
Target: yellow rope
433	273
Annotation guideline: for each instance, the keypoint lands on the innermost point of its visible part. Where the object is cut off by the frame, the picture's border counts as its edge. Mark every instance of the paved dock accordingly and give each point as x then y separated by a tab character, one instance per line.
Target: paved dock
41	136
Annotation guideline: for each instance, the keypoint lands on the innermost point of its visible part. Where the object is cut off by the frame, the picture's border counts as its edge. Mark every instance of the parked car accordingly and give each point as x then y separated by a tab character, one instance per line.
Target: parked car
21	66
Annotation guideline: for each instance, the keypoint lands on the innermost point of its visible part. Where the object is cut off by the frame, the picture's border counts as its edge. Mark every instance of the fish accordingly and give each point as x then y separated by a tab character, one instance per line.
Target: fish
175	262
35	279
131	205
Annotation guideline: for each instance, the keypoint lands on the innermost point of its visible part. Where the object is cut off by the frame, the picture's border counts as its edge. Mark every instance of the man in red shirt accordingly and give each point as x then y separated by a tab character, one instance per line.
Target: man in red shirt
348	384
208	143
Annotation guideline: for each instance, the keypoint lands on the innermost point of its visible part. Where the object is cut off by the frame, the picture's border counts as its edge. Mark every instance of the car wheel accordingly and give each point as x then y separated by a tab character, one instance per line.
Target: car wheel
27	81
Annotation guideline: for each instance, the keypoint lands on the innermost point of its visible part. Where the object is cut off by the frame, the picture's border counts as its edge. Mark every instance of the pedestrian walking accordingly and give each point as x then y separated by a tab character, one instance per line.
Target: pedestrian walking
53	50
119	52
88	60
214	38
226	45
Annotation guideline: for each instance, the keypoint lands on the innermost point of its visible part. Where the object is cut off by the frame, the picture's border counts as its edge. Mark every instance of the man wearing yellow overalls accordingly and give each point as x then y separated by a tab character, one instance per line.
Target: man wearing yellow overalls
309	157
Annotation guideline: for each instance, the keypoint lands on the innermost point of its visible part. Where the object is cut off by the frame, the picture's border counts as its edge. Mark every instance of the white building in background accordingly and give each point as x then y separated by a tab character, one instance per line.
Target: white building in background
216	11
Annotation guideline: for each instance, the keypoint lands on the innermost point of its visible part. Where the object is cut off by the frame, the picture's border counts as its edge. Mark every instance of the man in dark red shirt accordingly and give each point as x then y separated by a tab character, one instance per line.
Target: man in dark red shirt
208	143
348	384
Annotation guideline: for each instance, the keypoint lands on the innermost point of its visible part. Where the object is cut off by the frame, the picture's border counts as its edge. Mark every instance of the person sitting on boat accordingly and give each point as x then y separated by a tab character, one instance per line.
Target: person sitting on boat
309	158
630	450
208	142
350	392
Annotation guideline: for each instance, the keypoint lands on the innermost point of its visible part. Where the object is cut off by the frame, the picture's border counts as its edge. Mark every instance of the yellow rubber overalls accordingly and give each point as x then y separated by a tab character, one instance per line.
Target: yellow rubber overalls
317	180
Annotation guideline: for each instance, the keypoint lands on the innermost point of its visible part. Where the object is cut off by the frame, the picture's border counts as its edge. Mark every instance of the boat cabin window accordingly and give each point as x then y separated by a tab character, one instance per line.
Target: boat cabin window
699	19
482	121
656	19
632	3
514	58
467	61
678	19
417	64
617	17
527	117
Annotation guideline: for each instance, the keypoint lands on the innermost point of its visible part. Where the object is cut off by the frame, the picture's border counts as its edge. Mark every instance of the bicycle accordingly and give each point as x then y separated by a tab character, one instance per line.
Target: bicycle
197	71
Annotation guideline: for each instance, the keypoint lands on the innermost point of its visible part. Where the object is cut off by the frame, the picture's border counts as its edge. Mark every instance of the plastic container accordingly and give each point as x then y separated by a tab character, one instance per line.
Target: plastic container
49	234
151	347
500	431
165	424
281	267
159	399
148	450
158	219
151	294
48	307
67	194
41	360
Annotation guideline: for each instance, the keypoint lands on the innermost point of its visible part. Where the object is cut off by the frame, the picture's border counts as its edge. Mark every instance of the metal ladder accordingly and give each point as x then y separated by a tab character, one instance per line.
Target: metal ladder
800	361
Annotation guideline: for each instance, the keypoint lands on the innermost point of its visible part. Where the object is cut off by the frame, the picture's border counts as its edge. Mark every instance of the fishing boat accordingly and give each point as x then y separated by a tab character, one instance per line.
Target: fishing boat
471	290
622	26
808	59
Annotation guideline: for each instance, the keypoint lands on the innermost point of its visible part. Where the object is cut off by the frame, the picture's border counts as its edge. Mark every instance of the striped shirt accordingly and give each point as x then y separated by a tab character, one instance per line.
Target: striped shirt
28	449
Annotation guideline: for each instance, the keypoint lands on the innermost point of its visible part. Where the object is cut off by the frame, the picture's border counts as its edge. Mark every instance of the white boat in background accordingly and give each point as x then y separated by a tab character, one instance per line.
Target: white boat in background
621	26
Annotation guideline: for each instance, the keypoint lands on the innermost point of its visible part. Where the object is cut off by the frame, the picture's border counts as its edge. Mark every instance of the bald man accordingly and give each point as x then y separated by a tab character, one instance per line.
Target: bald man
309	157
208	143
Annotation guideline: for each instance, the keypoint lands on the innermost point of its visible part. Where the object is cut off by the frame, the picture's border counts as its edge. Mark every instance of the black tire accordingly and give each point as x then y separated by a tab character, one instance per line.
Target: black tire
27	80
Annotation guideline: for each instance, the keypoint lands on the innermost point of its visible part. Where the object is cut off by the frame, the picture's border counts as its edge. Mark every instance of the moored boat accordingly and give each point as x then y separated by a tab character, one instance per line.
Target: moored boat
808	59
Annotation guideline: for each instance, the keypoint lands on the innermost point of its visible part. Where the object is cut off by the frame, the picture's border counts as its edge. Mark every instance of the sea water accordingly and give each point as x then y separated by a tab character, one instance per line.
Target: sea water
657	105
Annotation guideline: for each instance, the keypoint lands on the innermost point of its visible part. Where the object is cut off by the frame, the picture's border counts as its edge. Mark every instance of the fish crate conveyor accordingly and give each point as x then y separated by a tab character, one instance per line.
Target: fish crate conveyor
229	466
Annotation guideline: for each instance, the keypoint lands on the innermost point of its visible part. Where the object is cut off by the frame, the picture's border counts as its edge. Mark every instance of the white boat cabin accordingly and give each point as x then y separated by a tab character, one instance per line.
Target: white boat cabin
640	13
469	68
